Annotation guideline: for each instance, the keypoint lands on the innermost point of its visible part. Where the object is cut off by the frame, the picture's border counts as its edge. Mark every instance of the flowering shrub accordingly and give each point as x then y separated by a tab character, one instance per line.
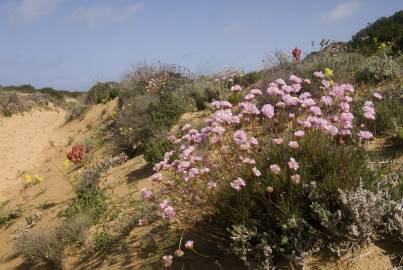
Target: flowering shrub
77	153
275	164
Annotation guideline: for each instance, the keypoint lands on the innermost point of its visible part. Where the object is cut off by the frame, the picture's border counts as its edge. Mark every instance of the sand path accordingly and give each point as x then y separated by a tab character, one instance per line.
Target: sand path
22	139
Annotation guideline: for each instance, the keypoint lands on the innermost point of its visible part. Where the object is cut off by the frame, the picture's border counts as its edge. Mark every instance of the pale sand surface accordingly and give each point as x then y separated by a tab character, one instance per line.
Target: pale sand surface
22	139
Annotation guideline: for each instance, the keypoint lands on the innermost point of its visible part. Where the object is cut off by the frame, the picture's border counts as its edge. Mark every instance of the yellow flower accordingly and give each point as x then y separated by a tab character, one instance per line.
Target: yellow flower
382	45
38	179
328	72
28	178
331	82
66	163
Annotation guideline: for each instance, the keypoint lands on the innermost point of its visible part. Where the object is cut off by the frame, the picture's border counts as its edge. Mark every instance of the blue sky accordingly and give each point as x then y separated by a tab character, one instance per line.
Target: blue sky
70	44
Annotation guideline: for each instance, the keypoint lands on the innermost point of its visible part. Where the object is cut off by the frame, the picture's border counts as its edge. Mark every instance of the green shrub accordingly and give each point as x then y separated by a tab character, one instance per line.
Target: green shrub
101	93
385	29
102	241
378	68
249	78
76	111
90	201
155	148
42	248
389	116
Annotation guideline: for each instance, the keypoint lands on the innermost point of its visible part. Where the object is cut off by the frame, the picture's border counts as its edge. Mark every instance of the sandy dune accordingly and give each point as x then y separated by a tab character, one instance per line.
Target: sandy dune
22	138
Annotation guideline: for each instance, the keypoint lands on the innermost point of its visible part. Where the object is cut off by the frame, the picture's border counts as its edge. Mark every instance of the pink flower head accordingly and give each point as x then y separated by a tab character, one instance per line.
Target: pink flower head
365	135
157	177
186	127
221	104
236	88
377	96
280	104
368	109
168	213
295	79
326	83
240	137
247	160
278	141
296	179
293	144
293	164
275	169
146	194
299	133
211	185
249	97
189	244
238	184
327	100
256	172
167	260
319	74
268	110
256	92
249	108
344	106
315	110
280	82
307	81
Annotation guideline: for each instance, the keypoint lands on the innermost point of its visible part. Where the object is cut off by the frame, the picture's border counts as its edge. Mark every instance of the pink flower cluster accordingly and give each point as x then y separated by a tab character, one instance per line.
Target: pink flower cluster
208	158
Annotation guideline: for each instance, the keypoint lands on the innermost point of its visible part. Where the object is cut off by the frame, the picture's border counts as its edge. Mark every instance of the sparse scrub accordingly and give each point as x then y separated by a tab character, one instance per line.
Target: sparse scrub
42	248
7	217
75	229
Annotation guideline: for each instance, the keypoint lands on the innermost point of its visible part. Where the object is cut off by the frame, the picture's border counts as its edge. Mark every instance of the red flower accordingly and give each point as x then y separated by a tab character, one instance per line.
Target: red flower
296	53
77	153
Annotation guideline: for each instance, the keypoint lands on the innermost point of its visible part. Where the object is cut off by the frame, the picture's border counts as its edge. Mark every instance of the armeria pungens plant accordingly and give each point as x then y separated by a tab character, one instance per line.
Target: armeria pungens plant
275	165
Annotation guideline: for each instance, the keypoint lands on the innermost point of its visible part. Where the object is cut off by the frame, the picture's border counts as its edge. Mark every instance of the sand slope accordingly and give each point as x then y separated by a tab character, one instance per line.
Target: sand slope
22	139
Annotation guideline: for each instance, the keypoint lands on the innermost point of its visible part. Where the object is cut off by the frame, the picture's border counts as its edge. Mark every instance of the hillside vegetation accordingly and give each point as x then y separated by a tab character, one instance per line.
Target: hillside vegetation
236	170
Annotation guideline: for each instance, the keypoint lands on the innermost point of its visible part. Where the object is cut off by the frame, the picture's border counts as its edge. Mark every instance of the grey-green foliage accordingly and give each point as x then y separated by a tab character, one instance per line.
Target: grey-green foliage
378	68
